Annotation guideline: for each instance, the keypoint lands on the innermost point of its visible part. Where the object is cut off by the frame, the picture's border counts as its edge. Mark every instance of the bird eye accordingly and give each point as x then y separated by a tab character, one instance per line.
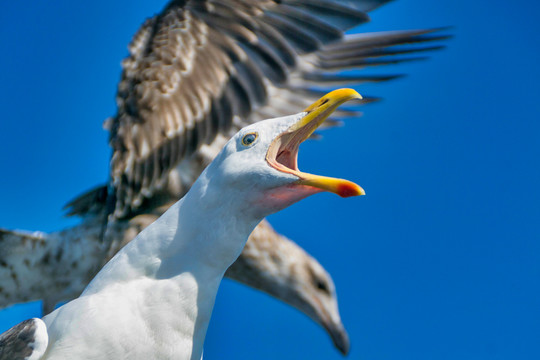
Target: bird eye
321	285
249	139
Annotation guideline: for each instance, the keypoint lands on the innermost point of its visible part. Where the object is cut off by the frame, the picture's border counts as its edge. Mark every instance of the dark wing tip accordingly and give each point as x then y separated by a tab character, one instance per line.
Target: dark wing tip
91	202
25	340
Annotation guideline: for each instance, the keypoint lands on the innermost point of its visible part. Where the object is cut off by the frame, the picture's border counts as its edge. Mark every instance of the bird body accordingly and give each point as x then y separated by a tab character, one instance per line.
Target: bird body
173	267
161	271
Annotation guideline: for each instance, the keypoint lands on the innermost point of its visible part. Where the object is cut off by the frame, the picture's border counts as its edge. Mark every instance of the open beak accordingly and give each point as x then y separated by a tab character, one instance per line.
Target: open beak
282	154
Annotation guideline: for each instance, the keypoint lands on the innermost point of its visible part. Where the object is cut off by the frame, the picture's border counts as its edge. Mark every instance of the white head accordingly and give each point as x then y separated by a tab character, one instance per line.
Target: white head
260	161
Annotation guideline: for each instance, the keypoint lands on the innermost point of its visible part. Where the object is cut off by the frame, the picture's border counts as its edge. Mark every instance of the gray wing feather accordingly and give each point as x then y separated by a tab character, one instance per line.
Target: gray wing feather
25	341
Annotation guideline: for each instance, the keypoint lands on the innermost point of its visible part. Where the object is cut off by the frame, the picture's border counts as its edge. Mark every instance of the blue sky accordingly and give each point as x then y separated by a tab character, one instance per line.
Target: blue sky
441	258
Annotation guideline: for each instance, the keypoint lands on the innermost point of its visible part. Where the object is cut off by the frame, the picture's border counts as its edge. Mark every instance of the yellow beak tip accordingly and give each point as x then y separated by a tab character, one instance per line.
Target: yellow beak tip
344	94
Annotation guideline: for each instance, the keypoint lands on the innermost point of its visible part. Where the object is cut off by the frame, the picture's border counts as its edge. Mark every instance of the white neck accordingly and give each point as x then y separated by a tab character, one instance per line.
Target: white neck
180	260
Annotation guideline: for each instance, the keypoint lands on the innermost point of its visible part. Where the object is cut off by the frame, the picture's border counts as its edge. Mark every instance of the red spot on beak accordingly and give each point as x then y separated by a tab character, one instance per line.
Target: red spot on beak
348	190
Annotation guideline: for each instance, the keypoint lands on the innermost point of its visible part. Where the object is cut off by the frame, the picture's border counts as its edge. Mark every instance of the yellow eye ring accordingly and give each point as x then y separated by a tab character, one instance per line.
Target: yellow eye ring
249	139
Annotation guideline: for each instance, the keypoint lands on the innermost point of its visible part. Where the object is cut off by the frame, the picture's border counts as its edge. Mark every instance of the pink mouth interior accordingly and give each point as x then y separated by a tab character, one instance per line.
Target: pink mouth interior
283	152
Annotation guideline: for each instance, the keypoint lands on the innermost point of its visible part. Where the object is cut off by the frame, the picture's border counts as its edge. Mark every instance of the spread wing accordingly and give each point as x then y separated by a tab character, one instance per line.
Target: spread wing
27	340
203	68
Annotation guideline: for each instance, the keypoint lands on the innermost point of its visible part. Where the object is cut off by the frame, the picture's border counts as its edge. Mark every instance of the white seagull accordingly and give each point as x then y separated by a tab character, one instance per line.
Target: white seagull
154	299
196	73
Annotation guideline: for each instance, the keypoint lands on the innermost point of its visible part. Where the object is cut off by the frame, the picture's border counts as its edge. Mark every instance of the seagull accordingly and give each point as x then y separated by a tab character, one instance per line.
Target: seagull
196	73
154	298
